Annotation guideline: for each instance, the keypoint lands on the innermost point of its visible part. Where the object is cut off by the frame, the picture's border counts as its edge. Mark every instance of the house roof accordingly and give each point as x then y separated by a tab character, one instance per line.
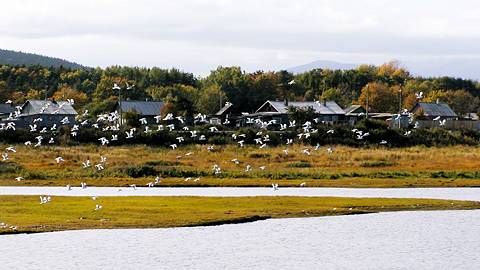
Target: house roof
224	109
354	109
6	108
145	108
329	107
31	107
435	109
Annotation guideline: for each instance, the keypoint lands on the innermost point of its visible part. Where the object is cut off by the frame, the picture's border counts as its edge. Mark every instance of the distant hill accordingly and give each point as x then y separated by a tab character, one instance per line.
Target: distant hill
28	59
324	64
433	67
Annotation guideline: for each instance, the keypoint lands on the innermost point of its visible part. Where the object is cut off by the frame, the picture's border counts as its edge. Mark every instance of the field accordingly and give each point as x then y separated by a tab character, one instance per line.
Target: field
192	165
24	214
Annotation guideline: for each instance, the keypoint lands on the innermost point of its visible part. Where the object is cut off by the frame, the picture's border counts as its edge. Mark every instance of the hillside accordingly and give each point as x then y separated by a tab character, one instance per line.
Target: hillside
321	64
28	59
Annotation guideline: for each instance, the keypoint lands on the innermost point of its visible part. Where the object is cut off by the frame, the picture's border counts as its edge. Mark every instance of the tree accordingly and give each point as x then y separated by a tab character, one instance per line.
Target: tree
381	97
334	94
182	98
210	99
235	84
4	94
66	92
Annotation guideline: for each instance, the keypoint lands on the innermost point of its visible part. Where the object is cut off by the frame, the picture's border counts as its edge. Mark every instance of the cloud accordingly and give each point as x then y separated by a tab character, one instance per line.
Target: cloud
201	34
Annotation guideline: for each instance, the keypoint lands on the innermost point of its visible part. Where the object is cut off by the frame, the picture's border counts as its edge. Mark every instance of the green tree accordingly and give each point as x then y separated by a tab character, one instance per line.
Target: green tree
210	99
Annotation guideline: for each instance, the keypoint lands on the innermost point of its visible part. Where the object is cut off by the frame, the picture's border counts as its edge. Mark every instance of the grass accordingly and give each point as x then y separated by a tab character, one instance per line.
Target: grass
455	166
74	213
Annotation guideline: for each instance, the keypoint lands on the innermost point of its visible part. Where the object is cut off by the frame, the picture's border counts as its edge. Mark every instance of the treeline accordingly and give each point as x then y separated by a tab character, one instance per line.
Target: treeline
186	94
342	135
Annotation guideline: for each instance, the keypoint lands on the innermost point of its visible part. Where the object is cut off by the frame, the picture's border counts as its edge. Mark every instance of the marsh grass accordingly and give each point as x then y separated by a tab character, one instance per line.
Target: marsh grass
409	166
73	213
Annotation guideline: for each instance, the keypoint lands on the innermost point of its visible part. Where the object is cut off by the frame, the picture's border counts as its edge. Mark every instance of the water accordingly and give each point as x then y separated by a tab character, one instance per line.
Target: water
401	240
472	194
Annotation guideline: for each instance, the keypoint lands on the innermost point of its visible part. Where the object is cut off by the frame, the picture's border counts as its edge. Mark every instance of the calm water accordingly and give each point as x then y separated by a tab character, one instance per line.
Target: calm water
403	240
437	193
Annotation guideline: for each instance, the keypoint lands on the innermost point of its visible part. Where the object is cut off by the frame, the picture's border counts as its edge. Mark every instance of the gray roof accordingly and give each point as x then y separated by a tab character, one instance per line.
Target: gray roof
144	108
224	109
6	108
353	108
329	107
435	109
32	107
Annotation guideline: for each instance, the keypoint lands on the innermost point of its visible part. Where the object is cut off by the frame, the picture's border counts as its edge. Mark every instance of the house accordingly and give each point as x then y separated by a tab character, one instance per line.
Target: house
326	111
224	113
49	111
6	110
354	113
145	109
430	111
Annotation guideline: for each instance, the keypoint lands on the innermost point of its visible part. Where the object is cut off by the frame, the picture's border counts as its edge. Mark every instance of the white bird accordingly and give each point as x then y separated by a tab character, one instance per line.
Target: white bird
291	82
129	134
436	118
174	146
19	178
133	186
330	131
84	185
129	86
86	164
303	184
99	166
59	159
11	149
69	187
98	207
383	142
275	186
5	156
116	87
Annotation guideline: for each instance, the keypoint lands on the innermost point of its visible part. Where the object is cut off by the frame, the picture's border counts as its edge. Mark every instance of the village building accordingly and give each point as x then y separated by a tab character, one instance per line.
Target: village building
430	111
144	109
327	112
49	112
6	110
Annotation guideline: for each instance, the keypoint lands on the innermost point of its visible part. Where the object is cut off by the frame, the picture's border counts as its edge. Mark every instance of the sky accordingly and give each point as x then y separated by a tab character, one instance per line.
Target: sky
200	35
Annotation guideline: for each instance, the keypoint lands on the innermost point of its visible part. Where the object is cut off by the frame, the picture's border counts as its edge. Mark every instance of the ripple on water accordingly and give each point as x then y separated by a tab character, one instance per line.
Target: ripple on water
401	240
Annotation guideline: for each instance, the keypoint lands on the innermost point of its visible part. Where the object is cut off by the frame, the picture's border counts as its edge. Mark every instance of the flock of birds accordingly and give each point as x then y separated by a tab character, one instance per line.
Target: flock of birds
109	122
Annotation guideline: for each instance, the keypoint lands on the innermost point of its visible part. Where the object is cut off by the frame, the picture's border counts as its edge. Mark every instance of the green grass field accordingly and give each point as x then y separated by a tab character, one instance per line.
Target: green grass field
27	215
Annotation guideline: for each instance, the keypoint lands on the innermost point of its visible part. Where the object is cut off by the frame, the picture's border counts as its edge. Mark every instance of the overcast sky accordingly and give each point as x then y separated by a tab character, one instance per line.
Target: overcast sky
199	35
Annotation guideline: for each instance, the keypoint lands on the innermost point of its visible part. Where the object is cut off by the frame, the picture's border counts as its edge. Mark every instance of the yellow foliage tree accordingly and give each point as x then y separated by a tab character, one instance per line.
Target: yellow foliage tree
381	97
66	92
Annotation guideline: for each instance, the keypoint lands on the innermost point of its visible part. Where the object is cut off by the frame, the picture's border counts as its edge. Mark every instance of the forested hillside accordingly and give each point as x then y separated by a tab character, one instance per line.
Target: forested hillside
186	94
27	59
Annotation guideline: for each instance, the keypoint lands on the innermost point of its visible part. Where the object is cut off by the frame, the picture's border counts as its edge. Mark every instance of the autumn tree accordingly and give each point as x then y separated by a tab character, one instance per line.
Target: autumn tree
66	92
381	97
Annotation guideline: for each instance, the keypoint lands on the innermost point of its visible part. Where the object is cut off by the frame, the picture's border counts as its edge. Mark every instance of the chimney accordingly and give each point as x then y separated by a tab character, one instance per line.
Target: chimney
286	102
